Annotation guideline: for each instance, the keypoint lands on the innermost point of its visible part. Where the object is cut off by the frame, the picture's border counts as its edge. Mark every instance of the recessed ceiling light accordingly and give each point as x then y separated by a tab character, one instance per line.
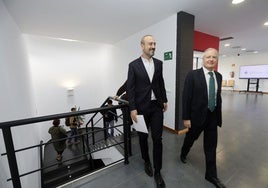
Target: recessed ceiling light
243	49
237	1
266	24
70	40
236	47
226	45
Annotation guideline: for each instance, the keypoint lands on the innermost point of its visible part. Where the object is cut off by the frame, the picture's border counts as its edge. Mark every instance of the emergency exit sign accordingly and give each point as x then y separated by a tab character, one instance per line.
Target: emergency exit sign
168	55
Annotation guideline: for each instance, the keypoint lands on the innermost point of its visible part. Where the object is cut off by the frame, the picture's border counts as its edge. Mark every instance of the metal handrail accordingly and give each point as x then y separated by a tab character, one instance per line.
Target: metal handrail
10	150
41	161
26	121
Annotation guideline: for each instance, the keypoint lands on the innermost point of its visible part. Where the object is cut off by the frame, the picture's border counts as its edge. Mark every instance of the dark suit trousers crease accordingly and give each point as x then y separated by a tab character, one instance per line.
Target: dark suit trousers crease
154	120
210	142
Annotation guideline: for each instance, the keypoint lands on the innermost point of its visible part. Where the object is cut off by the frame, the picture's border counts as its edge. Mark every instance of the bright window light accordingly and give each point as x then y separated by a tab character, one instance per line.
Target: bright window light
237	1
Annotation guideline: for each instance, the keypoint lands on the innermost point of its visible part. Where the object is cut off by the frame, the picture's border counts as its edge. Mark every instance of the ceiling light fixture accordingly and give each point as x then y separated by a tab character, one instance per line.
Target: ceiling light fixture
266	24
70	40
243	49
226	38
226	45
237	1
236	47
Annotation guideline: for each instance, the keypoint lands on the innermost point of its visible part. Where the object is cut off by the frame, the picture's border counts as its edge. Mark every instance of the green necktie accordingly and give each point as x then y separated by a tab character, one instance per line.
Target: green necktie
211	94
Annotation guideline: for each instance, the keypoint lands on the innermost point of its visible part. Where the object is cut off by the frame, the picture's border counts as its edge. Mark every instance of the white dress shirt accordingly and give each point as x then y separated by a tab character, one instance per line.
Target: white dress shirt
207	80
149	66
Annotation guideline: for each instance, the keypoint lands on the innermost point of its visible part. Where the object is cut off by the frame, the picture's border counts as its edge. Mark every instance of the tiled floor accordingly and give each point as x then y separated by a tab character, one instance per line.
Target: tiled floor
242	153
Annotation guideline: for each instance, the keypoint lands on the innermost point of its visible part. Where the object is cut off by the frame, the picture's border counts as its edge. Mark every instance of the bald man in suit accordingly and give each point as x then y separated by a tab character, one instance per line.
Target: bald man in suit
147	97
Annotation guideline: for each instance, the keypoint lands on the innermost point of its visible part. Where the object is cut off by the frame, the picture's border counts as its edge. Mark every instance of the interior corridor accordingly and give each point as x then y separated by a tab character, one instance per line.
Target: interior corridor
242	153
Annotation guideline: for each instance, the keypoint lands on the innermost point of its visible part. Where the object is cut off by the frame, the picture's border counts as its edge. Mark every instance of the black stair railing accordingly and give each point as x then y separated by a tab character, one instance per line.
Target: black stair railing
125	114
41	161
11	151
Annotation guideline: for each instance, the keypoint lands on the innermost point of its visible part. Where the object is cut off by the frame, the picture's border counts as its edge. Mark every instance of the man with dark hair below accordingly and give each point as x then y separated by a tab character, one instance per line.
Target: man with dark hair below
147	97
73	126
110	117
201	111
58	132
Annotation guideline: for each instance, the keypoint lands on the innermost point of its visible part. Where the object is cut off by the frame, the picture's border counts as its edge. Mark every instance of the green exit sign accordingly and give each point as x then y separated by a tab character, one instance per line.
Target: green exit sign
168	55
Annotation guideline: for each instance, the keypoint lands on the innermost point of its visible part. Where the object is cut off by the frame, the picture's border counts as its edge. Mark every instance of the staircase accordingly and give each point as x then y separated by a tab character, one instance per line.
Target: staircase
65	173
105	152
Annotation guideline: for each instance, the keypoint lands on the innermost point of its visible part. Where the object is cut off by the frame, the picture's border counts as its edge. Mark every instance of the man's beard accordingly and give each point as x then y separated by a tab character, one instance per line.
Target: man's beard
151	52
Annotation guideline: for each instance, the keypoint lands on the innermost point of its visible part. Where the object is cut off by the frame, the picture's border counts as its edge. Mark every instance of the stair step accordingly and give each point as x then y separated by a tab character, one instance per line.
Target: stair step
62	167
70	172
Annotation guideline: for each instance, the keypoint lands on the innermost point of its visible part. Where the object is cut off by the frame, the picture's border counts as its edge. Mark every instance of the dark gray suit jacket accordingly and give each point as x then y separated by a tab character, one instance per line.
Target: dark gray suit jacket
139	87
195	98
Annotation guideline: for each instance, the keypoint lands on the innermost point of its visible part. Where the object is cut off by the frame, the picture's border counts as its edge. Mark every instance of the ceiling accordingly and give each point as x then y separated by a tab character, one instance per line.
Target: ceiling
109	21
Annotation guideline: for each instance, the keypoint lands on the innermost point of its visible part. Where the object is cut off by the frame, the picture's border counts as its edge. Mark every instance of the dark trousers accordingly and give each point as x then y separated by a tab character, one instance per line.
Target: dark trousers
154	120
73	133
210	142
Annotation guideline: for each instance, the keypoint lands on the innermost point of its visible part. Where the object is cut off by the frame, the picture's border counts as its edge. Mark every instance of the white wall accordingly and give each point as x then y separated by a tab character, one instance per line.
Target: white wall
56	65
228	64
16	99
95	71
164	33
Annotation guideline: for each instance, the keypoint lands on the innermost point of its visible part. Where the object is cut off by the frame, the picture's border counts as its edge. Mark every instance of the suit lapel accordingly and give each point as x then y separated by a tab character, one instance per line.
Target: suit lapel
156	68
142	69
202	79
218	81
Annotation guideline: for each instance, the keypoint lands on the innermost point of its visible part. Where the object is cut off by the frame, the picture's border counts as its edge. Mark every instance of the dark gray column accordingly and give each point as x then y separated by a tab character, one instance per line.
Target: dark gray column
184	60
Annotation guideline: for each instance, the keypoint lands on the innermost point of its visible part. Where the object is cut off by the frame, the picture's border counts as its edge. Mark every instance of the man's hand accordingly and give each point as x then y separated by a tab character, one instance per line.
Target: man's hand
133	115
187	123
165	107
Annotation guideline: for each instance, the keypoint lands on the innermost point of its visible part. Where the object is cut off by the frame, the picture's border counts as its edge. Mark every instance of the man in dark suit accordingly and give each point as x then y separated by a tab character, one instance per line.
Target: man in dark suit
202	114
147	97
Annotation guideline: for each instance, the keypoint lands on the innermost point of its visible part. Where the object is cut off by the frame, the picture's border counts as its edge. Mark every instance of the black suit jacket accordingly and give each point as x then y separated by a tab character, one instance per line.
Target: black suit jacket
139	87
195	98
122	92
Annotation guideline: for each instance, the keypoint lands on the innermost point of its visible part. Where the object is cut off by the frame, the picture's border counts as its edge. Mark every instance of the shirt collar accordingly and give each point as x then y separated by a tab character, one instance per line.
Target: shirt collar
206	71
146	60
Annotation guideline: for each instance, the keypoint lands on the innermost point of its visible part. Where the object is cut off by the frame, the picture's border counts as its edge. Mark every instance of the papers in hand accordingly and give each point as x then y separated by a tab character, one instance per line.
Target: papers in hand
140	126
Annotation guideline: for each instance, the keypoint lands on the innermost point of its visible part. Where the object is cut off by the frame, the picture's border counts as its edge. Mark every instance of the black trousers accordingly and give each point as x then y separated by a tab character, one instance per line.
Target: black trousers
210	142
154	119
